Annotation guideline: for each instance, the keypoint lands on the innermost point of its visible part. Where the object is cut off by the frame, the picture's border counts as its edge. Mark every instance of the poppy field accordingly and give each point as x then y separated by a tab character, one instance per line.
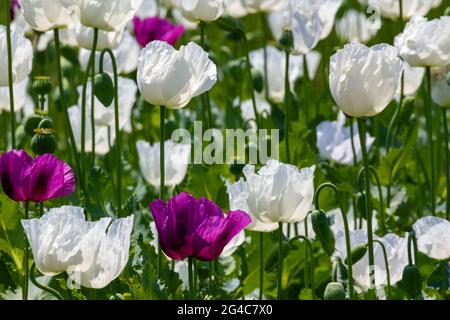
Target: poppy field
224	150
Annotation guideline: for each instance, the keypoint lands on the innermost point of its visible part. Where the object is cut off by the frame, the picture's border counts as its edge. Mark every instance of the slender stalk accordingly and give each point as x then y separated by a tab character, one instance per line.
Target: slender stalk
352	134
52	291
362	138
116	124
162	171
401	22
280	261
251	85
287	95
429	120
311	253
390	139
191	278
410	248
205	98
305	257
261	265
93	113
447	162
386	264
346	231
304	83
26	258
262	16
83	104
12	112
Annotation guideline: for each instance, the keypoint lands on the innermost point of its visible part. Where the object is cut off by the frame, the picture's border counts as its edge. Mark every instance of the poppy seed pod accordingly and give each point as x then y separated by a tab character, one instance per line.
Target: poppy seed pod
42	85
324	234
412	280
104	89
43	142
334	291
31	123
46	123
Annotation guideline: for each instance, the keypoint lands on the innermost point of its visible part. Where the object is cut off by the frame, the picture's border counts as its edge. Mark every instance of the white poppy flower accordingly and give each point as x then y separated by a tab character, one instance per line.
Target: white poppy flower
126	55
307	26
413	78
397	253
45	15
334	141
441	87
277	193
107	15
22	56
148	8
177	157
62	239
110	258
20	96
236	9
106	39
355	26
233	245
433	237
425	43
202	10
171	78
391	8
363	80
263	5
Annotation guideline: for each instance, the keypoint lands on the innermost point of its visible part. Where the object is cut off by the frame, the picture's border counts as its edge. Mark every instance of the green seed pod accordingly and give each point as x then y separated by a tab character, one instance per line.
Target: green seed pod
31	123
42	85
324	234
258	80
104	88
287	40
21	137
272	258
46	123
334	291
358	253
339	272
43	142
412	281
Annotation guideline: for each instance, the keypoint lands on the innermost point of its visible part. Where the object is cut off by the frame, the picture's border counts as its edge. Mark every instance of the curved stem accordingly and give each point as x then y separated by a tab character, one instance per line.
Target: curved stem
262	16
52	291
389	135
386	263
93	113
83	104
429	120
117	126
362	138
72	141
311	253
304	82
10	76
162	171
287	94
250	81
280	261
447	162
261	265
205	98
346	230
26	258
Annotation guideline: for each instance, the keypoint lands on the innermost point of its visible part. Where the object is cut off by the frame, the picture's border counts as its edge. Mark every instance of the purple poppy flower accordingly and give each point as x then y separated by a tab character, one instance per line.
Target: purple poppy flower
156	28
190	227
26	179
14	7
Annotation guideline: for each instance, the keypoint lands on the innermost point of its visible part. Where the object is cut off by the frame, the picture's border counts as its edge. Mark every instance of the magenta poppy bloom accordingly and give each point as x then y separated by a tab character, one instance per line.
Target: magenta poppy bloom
190	227
26	179
156	28
14	7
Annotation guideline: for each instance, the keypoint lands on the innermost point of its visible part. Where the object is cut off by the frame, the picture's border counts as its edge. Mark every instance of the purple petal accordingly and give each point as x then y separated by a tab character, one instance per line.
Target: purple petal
69	184
156	28
12	167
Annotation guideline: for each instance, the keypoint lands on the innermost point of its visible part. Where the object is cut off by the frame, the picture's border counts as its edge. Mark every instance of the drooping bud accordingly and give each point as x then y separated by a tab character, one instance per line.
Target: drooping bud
258	80
334	291
324	234
358	253
42	86
104	88
339	272
412	280
43	142
287	40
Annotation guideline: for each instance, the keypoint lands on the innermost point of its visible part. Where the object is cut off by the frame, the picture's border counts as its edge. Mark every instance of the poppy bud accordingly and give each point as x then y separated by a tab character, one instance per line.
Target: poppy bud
104	88
412	281
287	40
272	258
31	123
42	85
358	253
46	123
67	69
321	226
258	80
334	291
339	272
117	296
361	204
43	142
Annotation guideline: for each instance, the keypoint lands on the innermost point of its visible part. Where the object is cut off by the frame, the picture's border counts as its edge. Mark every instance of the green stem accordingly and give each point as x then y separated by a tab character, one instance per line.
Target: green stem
205	99
261	265
389	137
93	113
191	278
411	235
352	134
10	76
250	81
266	65
386	263
429	120
447	162
162	171
346	230
304	83
83	104
117	126
26	258
43	287
401	22
362	138
305	257
311	254
280	261
287	95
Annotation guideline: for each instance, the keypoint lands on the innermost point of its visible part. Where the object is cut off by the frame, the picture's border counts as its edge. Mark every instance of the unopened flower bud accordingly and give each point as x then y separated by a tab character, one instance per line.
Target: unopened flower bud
104	89
287	40
334	291
324	234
